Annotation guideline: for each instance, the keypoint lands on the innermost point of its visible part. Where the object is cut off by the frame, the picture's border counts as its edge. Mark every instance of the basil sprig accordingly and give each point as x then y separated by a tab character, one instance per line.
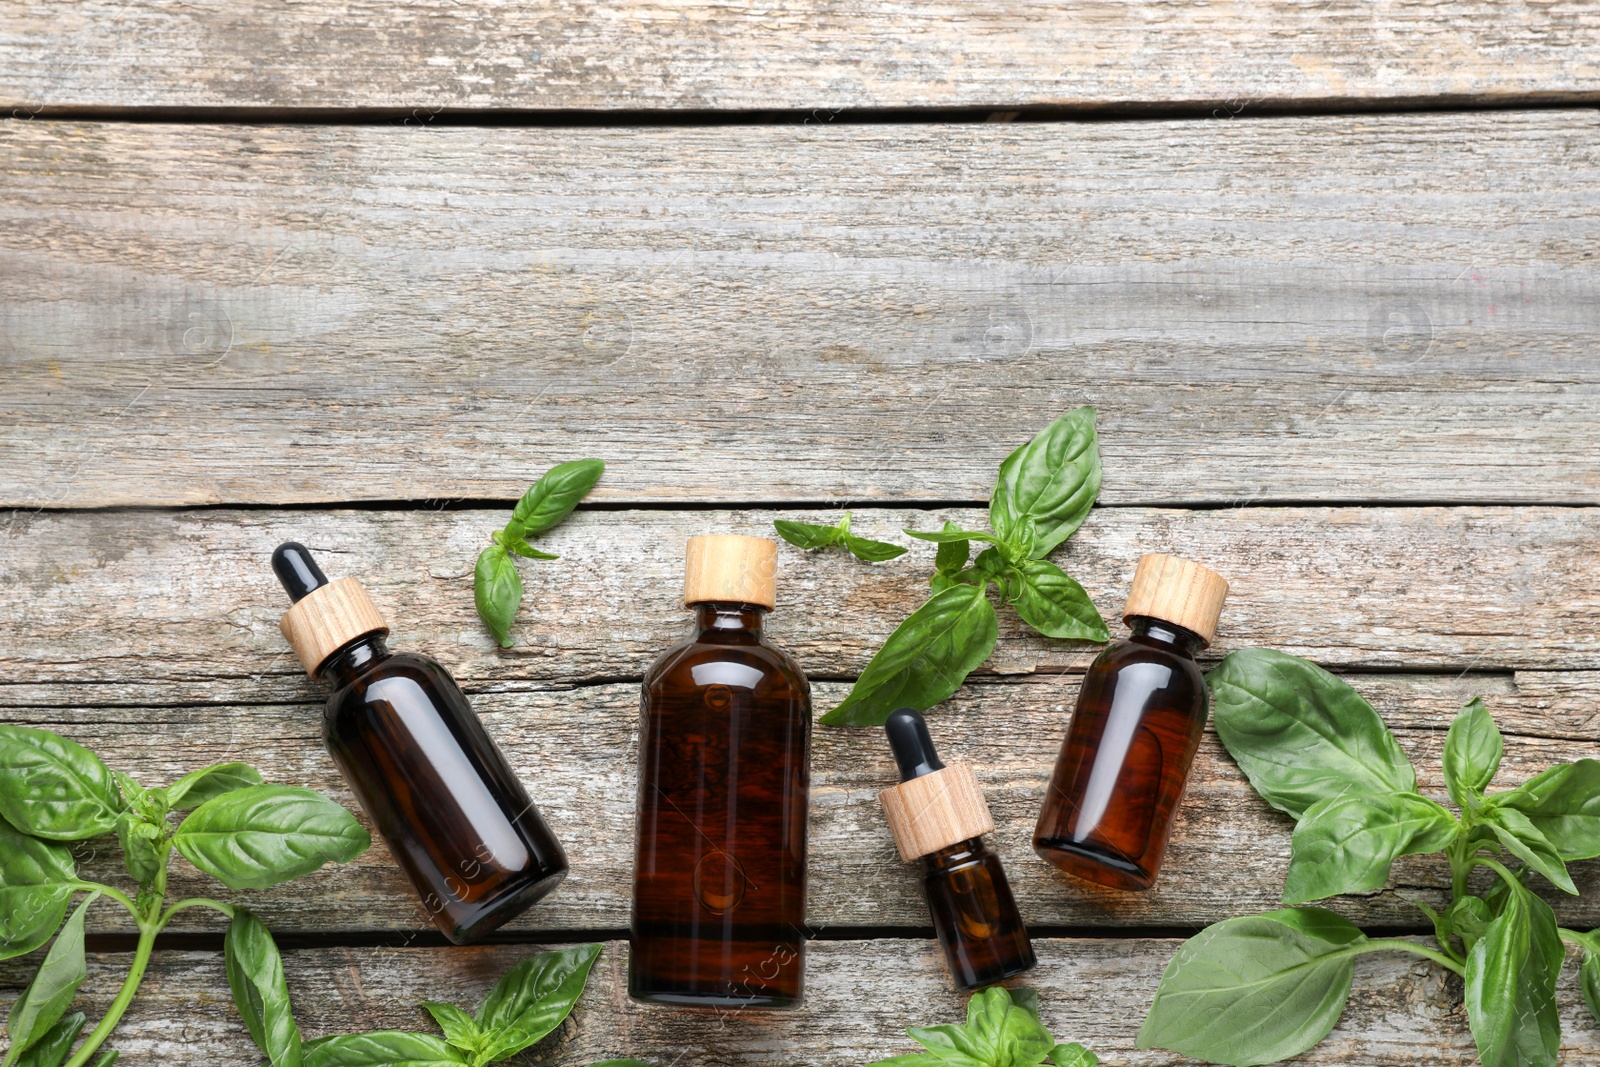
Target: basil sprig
1002	1030
812	536
496	585
1042	495
1258	989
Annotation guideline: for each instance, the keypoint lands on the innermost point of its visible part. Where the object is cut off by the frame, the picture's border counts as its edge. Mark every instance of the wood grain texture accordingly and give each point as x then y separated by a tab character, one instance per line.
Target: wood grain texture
860	996
430	55
1357	309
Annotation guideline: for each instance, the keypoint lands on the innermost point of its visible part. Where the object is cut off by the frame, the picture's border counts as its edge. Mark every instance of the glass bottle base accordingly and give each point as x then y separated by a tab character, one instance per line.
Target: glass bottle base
979	980
484	917
1092	864
714	1000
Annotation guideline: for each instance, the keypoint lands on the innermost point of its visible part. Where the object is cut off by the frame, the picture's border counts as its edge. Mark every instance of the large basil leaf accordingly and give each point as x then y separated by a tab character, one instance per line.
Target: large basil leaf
35	884
924	660
1346	844
1472	752
552	498
51	1049
1511	985
55	788
1073	1055
1256	989
197	787
54	985
1056	605
382	1048
1300	734
1519	836
255	974
257	837
1046	488
497	590
1564	803
532	999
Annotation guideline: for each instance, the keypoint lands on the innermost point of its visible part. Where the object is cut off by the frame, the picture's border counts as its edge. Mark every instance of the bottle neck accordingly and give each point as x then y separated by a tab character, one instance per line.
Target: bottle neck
727	622
1162	634
353	659
957	855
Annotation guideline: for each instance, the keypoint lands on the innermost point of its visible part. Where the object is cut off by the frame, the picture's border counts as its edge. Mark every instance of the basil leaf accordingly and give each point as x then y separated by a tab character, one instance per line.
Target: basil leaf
1564	803
1346	844
1589	980
35	884
997	1031
525	550
54	985
1055	604
1467	918
552	498
532	999
924	660
255	974
55	788
144	849
497	589
1256	989
51	1049
1520	837
382	1048
1300	734
197	787
1511	985
109	1057
1046	487
1472	752
1073	1055
460	1029
952	555
869	551
806	535
258	837
952	534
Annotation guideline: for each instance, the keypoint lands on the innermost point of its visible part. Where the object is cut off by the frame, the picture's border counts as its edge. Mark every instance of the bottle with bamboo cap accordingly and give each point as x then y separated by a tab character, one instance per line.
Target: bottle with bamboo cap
719	880
419	762
938	817
1142	707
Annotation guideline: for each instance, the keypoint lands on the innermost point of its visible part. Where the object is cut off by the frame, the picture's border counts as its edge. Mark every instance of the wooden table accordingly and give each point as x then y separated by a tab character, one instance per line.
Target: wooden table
1330	271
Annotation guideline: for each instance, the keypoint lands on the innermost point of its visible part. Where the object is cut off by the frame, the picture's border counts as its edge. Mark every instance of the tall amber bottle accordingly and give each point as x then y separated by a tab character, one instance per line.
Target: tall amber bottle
1109	809
724	779
418	760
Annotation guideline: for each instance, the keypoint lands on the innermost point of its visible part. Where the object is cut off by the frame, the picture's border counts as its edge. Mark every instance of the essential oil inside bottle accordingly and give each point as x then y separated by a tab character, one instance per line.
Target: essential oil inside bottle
1112	799
938	817
724	780
418	760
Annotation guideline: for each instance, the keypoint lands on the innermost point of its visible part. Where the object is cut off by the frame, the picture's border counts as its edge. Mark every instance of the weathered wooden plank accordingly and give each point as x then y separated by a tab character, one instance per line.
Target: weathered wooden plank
1360	309
576	751
860	997
434	55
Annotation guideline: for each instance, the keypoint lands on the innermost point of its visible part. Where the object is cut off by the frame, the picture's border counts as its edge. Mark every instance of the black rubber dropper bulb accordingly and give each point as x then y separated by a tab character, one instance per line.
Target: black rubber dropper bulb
912	747
299	573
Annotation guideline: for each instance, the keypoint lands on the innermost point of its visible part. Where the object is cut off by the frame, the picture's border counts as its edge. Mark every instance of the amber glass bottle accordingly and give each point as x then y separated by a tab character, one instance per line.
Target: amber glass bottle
1110	805
418	760
938	817
724	778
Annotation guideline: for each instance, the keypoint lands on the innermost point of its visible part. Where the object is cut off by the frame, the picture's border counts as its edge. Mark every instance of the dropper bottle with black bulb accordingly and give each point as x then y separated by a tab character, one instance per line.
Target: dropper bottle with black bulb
418	759
938	816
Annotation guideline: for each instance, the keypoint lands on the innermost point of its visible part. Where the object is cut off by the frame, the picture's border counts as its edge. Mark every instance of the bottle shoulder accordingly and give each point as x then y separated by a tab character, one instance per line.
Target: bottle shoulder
1123	654
424	672
694	662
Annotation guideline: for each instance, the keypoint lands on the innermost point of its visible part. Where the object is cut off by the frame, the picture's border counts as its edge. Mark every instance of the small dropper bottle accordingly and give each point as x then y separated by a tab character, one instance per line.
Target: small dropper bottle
938	816
418	760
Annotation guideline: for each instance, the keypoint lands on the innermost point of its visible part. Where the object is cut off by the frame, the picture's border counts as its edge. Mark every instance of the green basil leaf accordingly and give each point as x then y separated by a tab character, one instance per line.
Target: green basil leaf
1256	989
1300	734
1056	605
1511	985
1467	918
1073	1055
144	848
806	535
55	788
924	660
532	999
1589	980
952	534
1564	803
197	787
110	1056
952	555
526	551
255	974
1049	484
460	1029
258	837
870	551
1026	999
997	1031
35	884
382	1048
1346	844
151	805
51	1049
1472	752
1519	836
552	498
497	589
54	985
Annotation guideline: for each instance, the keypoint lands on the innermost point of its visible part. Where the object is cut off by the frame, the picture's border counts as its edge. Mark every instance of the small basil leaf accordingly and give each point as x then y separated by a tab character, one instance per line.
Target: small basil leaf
54	985
382	1048
35	884
952	534
1564	803
51	1049
258	837
527	551
552	498
997	1031
197	787
1519	836
1467	918
1472	752
1511	985
924	660
460	1029
144	849
1073	1055
1300	734
1347	844
806	535
54	788
497	589
110	1056
1026	999
1049	484
1589	979
532	999
870	551
1056	605
255	974
952	555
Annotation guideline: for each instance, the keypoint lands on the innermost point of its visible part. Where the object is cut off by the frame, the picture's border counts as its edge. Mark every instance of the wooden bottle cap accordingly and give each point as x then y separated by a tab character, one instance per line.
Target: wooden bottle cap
936	810
1177	591
327	618
732	568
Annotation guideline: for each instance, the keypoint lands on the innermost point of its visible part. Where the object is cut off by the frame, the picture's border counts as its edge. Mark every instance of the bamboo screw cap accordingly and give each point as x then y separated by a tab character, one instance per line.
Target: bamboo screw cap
1177	591
325	615
936	810
731	568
